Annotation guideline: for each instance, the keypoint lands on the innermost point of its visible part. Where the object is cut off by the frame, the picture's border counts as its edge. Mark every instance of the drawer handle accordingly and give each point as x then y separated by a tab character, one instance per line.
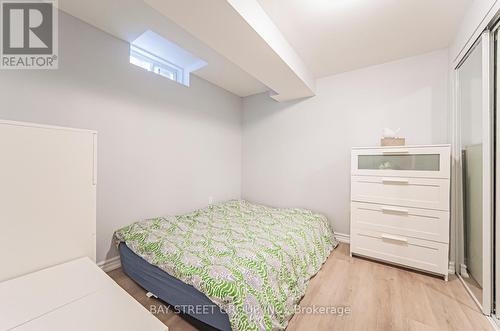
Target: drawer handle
395	151
394	210
394	238
395	181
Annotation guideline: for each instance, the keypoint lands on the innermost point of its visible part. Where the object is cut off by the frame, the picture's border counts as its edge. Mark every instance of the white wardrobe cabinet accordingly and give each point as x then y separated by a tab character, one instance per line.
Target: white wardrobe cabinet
48	196
48	277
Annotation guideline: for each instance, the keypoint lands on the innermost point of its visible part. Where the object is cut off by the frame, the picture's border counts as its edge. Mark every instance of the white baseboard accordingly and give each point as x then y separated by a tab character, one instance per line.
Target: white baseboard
110	264
342	237
463	271
451	267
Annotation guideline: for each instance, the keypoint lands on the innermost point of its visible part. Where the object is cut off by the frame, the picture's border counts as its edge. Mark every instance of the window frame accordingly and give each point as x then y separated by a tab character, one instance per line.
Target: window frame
157	63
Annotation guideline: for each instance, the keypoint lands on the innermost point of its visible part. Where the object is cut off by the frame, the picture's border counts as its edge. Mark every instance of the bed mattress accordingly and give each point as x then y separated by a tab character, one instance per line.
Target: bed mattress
252	261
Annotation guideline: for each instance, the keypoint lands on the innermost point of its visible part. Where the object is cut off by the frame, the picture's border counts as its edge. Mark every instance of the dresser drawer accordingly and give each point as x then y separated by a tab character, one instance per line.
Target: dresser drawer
417	253
429	162
426	193
405	221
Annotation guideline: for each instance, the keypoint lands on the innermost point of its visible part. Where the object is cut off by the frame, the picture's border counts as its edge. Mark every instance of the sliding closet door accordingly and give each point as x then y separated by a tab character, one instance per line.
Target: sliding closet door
497	172
474	174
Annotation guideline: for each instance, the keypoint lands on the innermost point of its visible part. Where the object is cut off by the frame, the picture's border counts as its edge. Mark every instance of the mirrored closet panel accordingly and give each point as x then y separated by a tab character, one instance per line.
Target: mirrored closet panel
473	177
471	146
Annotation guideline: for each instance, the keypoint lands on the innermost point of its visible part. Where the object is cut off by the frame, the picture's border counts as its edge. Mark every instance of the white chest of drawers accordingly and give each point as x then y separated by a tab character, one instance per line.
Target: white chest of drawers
400	205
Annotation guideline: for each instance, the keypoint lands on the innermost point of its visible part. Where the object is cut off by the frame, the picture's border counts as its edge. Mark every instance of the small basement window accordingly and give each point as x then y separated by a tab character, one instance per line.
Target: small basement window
149	62
154	53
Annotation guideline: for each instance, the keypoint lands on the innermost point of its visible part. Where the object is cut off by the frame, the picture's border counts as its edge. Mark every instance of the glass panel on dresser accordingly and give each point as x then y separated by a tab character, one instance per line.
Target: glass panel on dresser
412	162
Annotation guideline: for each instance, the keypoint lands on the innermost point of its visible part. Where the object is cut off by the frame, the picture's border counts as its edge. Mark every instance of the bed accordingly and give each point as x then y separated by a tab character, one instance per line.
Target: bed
233	265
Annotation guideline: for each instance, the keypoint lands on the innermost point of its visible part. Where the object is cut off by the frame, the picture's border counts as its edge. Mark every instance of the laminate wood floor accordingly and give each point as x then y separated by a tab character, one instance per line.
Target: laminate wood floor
475	288
379	297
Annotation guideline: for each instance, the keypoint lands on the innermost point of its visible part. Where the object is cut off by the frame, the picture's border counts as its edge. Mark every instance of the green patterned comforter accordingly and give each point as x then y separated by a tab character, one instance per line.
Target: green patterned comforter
253	261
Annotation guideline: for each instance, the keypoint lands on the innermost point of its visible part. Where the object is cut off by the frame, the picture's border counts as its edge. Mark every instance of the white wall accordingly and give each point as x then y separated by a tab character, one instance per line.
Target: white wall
163	148
298	153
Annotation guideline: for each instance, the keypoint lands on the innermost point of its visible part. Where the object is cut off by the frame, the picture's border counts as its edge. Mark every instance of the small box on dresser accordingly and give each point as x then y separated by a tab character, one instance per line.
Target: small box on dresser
400	205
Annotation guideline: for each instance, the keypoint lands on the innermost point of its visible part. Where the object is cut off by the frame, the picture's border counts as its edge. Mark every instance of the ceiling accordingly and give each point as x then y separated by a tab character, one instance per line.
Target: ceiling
334	36
242	32
281	46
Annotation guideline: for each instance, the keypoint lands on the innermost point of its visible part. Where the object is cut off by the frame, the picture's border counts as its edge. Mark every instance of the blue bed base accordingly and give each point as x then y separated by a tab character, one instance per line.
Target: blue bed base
179	295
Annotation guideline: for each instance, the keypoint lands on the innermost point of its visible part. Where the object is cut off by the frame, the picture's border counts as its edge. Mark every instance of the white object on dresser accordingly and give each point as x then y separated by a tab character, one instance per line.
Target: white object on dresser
48	196
73	296
400	205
